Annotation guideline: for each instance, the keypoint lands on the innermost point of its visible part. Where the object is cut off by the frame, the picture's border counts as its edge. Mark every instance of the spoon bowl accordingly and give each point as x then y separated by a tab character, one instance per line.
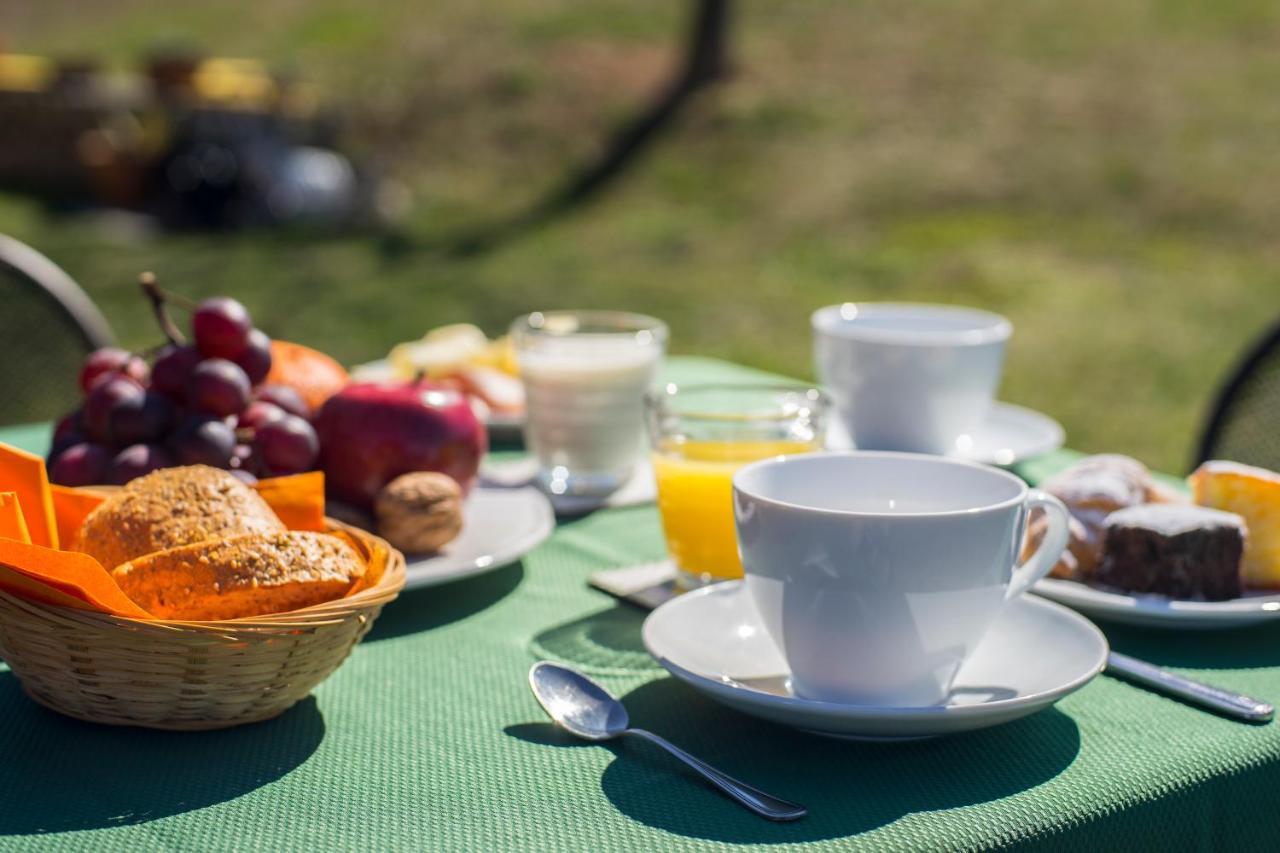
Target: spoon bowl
584	708
577	703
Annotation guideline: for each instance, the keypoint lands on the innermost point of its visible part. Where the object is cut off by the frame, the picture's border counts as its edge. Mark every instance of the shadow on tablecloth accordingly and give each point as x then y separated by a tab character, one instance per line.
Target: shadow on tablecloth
849	787
606	642
59	774
431	607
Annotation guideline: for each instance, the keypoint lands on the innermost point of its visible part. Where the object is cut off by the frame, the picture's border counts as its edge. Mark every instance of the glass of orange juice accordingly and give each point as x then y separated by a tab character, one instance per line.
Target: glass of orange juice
701	435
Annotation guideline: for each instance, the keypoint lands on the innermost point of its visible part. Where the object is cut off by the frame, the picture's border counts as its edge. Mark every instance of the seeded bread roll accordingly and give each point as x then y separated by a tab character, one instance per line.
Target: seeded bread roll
170	508
241	576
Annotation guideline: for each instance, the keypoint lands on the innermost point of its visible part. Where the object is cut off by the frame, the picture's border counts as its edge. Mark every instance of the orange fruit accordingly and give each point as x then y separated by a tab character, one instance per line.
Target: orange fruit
311	373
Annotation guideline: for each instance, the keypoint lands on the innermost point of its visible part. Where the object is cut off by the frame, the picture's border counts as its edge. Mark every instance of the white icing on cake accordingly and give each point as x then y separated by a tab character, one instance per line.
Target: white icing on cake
1174	519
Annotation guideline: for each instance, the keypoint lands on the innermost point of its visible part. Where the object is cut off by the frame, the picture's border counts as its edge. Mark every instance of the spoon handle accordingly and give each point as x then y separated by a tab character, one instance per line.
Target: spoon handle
1196	692
765	805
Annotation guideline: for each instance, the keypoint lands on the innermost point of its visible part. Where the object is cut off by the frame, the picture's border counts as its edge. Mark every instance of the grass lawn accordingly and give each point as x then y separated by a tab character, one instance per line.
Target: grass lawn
1104	173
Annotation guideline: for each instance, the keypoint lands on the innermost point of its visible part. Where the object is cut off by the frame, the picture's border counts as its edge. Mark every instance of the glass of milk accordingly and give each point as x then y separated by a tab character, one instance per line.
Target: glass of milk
585	375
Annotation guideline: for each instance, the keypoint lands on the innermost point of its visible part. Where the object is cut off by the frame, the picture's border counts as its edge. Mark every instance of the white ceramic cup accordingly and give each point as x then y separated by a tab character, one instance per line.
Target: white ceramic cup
877	574
909	377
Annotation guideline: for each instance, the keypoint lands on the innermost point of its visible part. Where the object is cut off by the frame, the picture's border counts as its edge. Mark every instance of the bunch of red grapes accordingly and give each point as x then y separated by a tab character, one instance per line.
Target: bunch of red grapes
201	403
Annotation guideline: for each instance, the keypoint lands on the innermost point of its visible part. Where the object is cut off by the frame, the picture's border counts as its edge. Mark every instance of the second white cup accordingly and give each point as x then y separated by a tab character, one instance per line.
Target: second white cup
909	377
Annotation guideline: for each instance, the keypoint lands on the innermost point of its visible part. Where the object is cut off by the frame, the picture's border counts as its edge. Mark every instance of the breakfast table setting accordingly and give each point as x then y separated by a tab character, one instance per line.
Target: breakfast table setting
565	590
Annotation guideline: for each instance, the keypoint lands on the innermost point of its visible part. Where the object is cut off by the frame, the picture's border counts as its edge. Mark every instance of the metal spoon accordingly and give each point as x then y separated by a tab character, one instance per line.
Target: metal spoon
587	710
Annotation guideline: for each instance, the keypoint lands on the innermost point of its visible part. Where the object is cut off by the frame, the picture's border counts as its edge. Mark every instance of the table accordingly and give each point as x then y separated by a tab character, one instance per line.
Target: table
428	738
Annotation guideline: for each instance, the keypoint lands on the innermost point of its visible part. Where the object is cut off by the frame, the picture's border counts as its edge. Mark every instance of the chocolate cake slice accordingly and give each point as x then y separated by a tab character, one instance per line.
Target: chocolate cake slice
1182	551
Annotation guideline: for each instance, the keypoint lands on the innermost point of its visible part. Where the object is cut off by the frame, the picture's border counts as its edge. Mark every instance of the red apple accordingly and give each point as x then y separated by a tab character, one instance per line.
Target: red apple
372	432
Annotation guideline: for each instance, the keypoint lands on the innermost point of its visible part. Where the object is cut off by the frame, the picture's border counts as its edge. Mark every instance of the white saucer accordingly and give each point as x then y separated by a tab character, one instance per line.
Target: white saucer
499	527
1009	435
642	488
1036	653
1156	611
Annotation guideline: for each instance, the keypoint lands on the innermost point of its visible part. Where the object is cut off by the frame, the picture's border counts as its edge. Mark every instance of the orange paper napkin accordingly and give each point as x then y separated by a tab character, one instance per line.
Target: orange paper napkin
23	473
13	525
70	506
67	578
298	499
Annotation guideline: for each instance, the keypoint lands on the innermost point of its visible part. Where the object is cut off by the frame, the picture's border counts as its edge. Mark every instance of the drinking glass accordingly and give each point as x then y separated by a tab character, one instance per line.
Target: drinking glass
701	435
585	374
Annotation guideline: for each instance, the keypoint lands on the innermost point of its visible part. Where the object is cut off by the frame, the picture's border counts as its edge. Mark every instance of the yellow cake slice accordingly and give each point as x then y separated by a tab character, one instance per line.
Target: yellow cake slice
1255	494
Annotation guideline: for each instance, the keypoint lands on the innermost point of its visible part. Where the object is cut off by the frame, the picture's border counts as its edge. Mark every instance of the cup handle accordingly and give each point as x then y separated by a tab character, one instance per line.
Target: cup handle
1051	546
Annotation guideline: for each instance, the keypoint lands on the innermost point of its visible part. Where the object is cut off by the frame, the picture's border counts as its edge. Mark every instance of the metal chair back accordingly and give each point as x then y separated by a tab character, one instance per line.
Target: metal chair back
1244	422
47	326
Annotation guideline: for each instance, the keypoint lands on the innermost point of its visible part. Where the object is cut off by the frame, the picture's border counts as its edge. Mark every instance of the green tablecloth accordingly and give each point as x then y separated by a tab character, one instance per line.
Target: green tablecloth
428	738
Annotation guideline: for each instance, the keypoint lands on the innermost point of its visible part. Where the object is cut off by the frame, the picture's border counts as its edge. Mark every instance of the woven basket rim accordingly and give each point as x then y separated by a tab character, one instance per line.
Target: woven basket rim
326	612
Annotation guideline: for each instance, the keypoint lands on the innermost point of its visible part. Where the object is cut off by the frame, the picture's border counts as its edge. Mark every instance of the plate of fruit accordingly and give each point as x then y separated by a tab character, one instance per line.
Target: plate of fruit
1145	553
462	356
400	457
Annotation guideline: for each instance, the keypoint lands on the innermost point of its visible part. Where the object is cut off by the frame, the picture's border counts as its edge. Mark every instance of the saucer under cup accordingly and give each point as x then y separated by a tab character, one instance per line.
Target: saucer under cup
1035	653
877	574
910	377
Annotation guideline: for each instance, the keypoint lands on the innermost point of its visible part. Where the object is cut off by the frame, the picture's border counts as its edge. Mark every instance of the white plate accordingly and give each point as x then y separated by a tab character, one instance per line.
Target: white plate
642	488
1010	435
499	527
1156	611
1036	653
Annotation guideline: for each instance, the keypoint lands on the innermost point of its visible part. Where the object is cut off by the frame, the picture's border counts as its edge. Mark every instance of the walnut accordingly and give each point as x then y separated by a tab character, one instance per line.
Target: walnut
419	511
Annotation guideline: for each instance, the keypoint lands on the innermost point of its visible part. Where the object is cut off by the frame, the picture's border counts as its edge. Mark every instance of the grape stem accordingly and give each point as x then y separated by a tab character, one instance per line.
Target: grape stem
159	298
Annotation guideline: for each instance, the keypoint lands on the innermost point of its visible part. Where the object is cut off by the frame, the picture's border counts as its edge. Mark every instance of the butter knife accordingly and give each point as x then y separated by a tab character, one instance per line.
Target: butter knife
1234	705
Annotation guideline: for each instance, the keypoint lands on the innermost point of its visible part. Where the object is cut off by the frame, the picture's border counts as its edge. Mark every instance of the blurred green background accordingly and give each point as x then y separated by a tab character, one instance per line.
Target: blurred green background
1104	173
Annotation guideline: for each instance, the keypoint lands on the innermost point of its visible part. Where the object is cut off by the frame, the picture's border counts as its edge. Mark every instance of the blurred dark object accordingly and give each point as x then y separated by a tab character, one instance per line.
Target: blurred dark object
704	62
48	325
1244	423
196	142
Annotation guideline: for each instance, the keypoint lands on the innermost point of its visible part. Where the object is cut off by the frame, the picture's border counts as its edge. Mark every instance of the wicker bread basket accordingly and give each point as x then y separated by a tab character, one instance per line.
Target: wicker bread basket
187	675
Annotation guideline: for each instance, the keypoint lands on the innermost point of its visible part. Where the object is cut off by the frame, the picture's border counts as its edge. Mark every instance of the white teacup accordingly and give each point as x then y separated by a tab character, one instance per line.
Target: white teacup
877	574
917	378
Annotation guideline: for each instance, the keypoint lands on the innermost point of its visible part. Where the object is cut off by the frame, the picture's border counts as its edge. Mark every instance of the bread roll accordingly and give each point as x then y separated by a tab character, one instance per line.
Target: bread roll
170	508
241	576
